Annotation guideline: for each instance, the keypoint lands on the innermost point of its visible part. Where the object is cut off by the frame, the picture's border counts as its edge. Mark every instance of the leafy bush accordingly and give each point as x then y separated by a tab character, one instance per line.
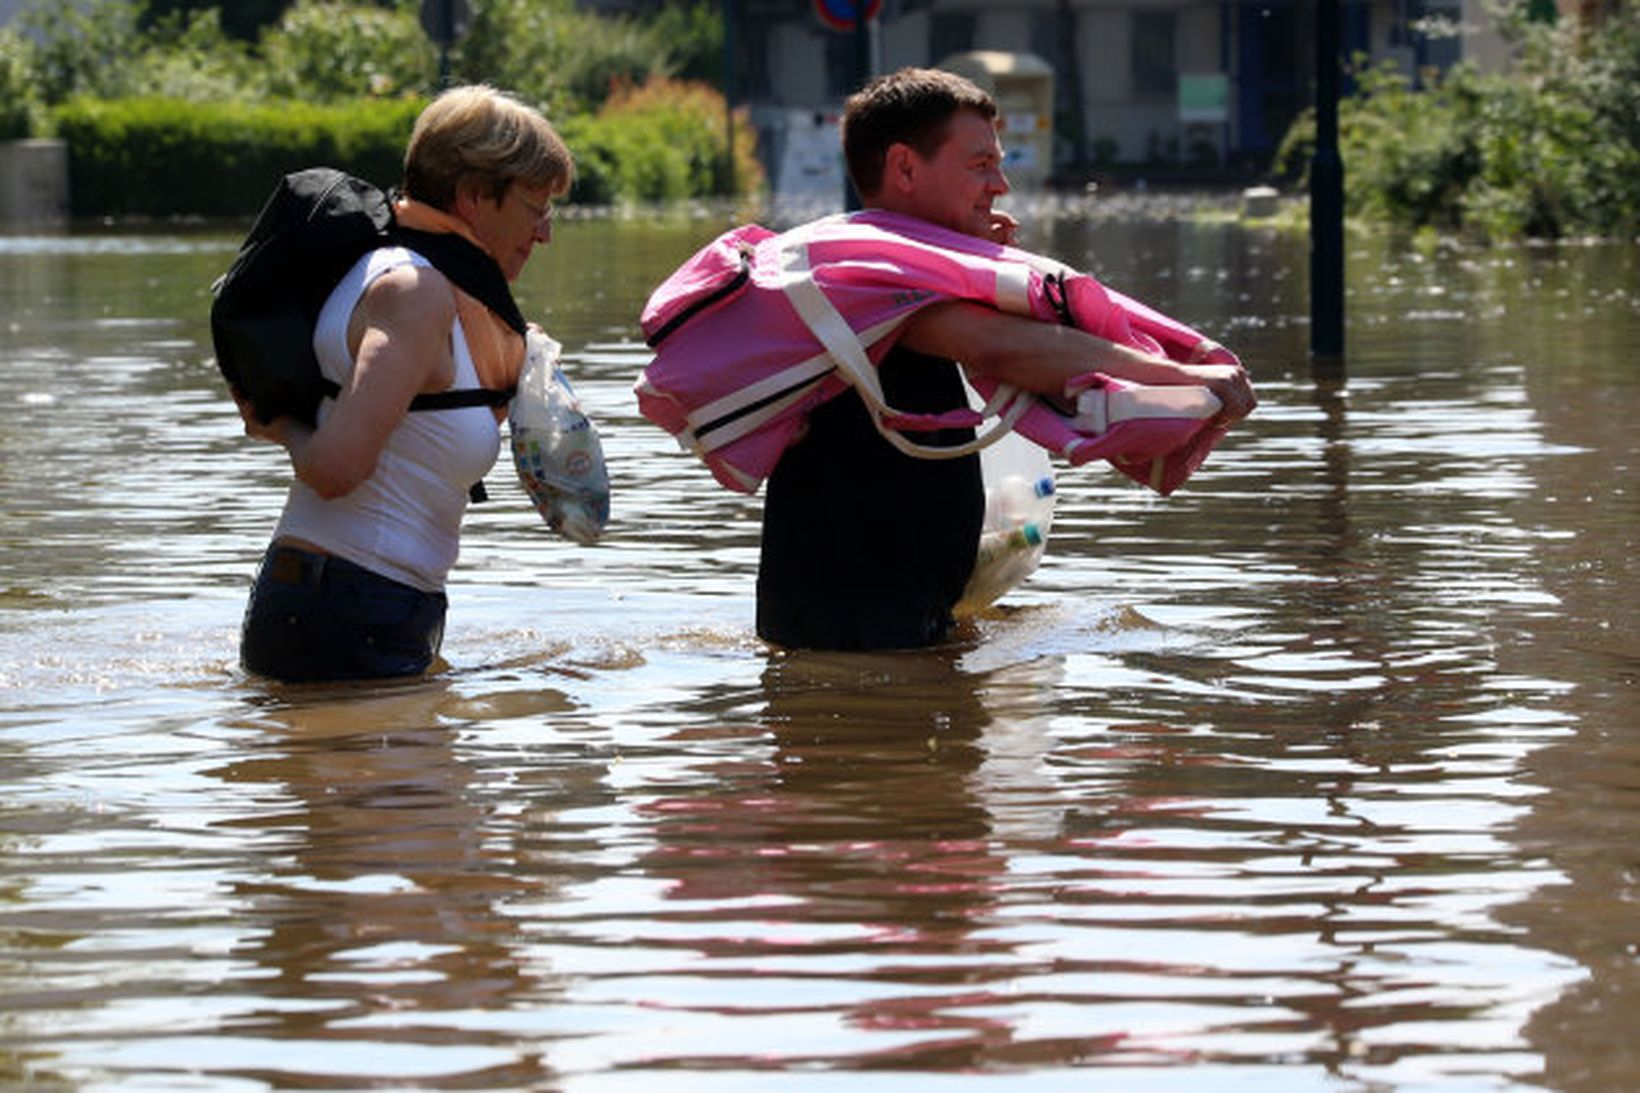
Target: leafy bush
187	56
329	51
661	141
241	19
83	48
158	157
1422	145
1551	149
17	100
167	114
548	52
551	53
693	36
1408	155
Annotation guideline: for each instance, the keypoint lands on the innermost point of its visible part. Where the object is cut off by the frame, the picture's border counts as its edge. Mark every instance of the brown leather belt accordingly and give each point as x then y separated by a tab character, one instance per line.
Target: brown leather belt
292	565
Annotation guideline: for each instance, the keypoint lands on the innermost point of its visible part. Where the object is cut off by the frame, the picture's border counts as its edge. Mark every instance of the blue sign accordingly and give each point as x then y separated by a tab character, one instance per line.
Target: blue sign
843	14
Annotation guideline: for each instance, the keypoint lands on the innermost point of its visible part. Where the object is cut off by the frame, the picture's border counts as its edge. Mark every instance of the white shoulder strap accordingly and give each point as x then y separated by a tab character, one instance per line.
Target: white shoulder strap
833	331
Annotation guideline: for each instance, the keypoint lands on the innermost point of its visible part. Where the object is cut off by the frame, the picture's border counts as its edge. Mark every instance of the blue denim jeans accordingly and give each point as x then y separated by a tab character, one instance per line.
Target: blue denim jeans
314	617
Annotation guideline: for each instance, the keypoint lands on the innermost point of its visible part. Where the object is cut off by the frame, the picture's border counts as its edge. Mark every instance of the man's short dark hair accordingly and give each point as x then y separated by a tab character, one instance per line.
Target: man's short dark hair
913	106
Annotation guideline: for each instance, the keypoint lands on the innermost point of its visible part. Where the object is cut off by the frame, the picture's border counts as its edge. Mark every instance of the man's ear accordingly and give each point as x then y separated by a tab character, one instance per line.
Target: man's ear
900	168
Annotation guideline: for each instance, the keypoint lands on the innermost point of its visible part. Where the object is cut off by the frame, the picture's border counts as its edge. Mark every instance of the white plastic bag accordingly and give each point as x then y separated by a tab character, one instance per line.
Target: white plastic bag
1019	500
556	450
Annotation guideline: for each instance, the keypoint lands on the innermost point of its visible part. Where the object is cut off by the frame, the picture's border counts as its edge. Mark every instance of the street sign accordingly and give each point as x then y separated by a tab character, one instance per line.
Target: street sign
844	14
1204	97
446	21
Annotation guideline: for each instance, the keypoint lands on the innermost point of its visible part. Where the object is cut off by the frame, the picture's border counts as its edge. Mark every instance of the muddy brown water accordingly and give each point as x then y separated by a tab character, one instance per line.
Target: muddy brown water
1322	774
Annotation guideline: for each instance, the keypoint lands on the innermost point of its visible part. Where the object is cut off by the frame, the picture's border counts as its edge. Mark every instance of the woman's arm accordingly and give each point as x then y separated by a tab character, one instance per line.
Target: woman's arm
400	338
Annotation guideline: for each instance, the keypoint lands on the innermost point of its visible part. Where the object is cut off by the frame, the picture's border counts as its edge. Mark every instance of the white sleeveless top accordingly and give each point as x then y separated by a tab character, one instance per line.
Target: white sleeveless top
404	521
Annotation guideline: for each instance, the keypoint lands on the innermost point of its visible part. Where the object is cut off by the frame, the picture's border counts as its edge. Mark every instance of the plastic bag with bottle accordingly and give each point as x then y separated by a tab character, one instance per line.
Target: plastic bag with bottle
1019	502
556	449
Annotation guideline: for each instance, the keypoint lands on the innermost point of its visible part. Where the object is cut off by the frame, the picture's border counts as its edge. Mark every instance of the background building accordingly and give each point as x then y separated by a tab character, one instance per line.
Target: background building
1089	88
1187	87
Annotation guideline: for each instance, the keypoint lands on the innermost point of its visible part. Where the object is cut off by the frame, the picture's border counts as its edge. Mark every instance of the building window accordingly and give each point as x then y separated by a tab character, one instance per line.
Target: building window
950	32
1046	31
1436	35
1155	68
752	47
844	75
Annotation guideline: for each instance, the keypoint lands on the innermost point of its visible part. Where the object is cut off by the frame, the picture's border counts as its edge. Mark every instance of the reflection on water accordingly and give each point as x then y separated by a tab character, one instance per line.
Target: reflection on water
1320	773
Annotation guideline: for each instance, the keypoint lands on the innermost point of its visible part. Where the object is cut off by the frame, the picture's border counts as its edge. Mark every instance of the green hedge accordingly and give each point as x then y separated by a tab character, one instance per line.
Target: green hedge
662	141
167	157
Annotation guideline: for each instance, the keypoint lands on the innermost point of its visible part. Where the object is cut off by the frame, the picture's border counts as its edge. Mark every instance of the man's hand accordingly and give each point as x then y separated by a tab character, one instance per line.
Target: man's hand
1231	385
1003	228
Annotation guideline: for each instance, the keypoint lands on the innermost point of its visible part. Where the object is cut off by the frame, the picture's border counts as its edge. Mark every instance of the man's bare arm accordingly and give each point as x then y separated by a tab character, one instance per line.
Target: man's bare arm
1041	357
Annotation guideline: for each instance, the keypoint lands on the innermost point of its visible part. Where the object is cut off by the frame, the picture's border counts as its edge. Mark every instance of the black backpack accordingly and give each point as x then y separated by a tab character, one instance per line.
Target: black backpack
315	226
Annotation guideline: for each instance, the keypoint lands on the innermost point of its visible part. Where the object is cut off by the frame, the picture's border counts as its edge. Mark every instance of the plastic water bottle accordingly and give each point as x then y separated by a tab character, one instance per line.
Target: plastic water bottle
1018	512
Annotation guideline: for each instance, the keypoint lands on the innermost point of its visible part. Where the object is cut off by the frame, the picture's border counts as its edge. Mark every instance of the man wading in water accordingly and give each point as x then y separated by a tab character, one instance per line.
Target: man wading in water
865	547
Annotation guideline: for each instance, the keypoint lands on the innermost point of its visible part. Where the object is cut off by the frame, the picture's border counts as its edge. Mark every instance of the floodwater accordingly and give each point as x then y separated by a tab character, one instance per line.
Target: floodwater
1322	774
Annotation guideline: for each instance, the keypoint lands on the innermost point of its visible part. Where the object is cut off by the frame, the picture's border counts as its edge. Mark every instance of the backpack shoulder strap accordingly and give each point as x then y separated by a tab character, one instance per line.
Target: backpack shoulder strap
473	271
476	273
468	267
462	398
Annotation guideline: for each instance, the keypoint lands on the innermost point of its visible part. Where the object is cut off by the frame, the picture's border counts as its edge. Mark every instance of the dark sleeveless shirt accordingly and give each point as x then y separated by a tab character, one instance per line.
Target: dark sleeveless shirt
865	547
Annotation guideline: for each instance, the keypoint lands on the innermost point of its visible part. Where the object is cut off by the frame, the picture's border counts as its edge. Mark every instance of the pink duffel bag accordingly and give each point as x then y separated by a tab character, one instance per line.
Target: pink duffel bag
758	328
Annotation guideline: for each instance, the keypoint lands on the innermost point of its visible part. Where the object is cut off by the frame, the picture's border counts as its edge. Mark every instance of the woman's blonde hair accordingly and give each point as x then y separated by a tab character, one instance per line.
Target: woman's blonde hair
478	134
